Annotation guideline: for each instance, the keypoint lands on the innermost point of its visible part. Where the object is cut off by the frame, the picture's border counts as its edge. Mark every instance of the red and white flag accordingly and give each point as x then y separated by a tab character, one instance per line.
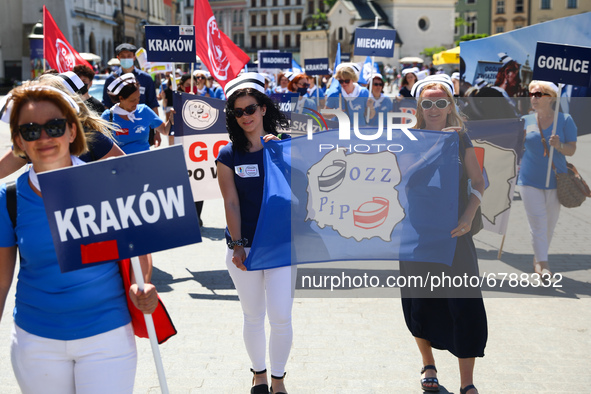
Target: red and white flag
221	56
56	49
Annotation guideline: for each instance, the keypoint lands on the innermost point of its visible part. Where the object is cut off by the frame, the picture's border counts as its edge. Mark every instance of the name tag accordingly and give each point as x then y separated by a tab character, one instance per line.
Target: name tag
142	90
247	171
532	127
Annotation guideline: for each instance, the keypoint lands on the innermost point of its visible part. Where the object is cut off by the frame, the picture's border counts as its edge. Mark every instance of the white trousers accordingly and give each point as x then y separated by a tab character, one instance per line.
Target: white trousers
104	363
265	291
542	208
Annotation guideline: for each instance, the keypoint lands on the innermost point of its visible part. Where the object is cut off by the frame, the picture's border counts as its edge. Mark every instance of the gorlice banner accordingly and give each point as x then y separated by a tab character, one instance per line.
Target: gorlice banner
56	49
221	56
334	199
201	151
120	208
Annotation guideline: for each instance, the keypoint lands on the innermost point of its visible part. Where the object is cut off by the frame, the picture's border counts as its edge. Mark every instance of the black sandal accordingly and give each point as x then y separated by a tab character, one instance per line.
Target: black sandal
259	388
432	381
278	378
467	388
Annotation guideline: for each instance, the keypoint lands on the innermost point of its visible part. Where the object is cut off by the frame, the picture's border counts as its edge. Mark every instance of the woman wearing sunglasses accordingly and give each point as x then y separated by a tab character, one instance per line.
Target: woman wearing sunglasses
133	120
72	331
448	320
541	202
378	103
299	84
202	88
349	96
252	119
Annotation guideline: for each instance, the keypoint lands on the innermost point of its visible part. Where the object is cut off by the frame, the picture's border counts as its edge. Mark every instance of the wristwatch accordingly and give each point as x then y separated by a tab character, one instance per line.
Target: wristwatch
240	242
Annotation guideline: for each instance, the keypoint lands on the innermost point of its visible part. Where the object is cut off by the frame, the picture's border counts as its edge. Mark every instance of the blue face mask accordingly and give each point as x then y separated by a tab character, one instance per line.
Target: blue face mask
126	63
302	91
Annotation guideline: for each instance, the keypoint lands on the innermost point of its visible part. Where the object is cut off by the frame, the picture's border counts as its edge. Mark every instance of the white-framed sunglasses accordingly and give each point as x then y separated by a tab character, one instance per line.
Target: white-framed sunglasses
441	103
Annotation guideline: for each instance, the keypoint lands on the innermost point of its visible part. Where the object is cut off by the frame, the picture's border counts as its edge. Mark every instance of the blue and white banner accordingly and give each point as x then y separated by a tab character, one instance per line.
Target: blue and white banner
374	42
566	64
327	199
174	44
200	127
274	60
317	66
120	208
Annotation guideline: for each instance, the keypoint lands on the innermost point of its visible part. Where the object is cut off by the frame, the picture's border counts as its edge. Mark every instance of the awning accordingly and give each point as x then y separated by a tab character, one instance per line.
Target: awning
451	56
90	57
410	60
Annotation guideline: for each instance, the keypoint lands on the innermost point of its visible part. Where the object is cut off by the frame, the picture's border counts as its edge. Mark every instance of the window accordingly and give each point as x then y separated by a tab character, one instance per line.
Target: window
253	3
500	6
274	3
263	3
263	41
286	2
545	5
500	29
264	20
471	20
321	6
275	41
298	2
423	24
518	6
456	27
340	34
240	20
189	21
311	7
288	19
253	20
253	41
275	19
298	18
288	40
571	4
470	1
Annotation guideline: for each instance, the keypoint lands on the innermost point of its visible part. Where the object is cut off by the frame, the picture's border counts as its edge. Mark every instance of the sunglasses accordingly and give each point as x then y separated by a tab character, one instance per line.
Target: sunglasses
378	84
538	94
344	81
441	103
304	85
200	77
249	110
54	128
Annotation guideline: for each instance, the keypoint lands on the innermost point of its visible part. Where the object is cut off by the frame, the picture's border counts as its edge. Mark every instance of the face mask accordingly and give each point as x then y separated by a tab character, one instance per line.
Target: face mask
302	91
126	63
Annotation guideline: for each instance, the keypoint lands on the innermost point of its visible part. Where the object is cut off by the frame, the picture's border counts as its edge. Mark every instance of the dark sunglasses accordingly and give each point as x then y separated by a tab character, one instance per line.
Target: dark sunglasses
200	77
538	94
249	110
342	81
304	85
378	84
54	128
428	104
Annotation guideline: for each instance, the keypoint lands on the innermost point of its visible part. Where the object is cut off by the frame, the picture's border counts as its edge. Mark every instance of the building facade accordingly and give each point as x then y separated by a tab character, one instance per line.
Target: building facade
476	15
545	10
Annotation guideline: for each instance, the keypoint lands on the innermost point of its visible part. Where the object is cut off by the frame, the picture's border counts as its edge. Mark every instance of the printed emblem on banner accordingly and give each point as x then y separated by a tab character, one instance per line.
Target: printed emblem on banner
247	171
199	115
219	61
355	194
187	30
64	58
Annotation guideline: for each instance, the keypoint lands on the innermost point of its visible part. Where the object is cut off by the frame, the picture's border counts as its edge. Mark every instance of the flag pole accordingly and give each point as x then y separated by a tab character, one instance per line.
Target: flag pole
554	124
501	247
192	67
139	279
370	75
317	93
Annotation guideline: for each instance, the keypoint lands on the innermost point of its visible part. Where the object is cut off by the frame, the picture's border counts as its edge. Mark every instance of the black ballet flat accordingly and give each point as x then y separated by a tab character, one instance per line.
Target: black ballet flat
432	381
259	388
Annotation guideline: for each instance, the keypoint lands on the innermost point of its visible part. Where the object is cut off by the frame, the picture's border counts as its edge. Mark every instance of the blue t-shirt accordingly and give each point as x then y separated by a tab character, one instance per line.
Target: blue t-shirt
534	165
249	177
147	88
98	146
382	106
133	137
350	105
49	304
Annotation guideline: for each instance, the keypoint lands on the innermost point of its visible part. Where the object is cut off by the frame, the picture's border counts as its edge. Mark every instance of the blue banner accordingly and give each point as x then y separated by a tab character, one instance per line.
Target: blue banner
566	64
374	42
327	199
198	115
170	44
281	60
120	208
317	66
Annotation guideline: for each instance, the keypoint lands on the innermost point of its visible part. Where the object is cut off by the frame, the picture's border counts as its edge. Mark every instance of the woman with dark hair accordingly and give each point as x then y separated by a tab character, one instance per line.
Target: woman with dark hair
252	119
508	80
282	82
133	119
409	78
72	331
448	318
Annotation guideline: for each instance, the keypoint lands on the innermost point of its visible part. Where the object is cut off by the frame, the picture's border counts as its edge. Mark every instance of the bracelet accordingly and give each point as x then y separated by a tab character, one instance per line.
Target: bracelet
240	242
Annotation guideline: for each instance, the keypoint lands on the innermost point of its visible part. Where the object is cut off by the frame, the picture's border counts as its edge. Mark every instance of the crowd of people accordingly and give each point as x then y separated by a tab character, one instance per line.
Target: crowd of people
55	124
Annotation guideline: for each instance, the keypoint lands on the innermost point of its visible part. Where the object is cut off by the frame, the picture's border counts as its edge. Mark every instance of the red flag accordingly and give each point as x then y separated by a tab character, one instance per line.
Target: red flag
56	49
221	56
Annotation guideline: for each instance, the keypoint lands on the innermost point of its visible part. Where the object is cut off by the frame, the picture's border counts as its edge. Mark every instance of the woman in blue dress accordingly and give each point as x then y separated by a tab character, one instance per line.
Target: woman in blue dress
379	104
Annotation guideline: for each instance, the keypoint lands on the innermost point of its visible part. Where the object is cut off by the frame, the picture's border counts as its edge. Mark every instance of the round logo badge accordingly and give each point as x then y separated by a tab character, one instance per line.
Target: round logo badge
199	115
219	61
65	58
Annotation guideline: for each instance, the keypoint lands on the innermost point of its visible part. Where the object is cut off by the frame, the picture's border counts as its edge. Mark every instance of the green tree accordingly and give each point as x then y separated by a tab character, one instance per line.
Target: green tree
470	37
429	52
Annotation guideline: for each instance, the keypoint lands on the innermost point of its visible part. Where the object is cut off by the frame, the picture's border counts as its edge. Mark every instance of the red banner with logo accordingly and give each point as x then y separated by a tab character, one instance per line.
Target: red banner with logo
221	56
56	49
